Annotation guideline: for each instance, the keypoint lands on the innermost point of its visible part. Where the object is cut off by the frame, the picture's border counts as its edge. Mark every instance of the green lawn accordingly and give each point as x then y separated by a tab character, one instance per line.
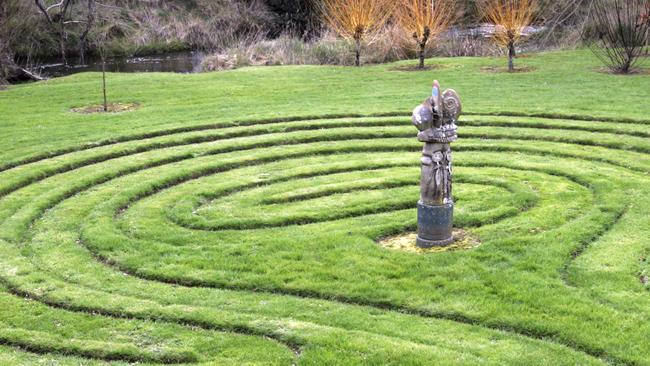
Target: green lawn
233	219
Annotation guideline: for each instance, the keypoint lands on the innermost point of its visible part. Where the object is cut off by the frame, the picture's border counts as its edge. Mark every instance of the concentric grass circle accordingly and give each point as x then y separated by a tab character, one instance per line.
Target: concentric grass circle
256	240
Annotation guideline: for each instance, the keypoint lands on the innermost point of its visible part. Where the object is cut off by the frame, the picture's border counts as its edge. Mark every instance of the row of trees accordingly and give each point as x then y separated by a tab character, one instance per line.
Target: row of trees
618	33
73	21
424	20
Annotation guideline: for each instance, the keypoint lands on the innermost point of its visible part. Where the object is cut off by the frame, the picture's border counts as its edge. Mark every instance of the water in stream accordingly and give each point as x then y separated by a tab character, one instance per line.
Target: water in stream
181	62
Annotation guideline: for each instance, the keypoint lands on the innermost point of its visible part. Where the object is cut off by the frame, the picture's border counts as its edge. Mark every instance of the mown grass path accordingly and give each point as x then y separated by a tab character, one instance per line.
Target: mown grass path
253	242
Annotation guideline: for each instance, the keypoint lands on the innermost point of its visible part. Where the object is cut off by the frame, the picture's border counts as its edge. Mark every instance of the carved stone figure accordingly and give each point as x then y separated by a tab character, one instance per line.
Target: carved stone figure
436	120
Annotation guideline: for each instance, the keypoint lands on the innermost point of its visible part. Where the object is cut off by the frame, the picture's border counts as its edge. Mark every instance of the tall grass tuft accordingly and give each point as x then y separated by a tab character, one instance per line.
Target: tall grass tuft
291	49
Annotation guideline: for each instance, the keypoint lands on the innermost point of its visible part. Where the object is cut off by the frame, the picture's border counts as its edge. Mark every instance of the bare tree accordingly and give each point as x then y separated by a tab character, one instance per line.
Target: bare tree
619	33
59	16
102	53
101	39
510	18
7	66
55	15
9	71
358	20
90	19
6	59
424	20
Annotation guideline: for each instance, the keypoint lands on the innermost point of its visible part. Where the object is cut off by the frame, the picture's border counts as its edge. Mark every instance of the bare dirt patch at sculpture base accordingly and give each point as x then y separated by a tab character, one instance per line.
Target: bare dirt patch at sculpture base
111	108
463	240
504	69
412	67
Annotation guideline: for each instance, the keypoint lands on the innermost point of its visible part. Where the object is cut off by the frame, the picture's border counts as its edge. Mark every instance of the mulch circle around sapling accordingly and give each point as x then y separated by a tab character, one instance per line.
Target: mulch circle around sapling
634	72
405	242
412	68
504	69
112	108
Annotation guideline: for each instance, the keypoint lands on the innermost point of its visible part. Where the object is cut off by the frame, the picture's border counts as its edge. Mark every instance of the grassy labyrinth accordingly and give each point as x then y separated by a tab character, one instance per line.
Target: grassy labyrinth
255	243
210	227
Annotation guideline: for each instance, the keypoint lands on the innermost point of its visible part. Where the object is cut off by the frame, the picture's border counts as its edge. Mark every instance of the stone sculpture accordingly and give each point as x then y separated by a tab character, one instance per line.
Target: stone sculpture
436	120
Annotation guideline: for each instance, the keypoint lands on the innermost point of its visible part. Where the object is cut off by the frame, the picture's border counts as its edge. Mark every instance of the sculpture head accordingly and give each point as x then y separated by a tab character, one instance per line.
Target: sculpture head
436	117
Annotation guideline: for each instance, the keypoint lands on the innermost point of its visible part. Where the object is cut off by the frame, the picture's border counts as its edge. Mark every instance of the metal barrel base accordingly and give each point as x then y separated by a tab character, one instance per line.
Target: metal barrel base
435	225
425	244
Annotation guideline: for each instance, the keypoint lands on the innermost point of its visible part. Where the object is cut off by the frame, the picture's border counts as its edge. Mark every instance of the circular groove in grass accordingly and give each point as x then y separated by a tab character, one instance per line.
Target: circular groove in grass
204	139
179	130
250	223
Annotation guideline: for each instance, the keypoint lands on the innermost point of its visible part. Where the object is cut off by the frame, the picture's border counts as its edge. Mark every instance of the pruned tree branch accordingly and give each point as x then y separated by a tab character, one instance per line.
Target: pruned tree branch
43	10
57	5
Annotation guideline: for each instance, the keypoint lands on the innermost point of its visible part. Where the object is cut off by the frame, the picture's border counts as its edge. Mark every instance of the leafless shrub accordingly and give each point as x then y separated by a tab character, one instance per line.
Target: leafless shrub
619	32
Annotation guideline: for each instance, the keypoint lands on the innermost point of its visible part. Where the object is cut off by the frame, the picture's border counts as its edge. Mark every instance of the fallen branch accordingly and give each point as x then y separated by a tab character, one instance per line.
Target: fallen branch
30	75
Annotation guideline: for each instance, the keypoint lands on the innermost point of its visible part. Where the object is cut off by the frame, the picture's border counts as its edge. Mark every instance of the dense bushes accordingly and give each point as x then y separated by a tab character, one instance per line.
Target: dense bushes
257	32
287	49
140	27
298	17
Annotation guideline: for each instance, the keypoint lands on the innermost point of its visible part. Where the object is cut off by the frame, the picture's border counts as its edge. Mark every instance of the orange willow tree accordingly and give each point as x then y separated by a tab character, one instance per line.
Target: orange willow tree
510	18
357	20
424	20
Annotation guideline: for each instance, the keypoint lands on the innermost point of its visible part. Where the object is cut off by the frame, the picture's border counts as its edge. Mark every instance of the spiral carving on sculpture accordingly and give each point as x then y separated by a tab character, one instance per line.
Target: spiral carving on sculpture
451	104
